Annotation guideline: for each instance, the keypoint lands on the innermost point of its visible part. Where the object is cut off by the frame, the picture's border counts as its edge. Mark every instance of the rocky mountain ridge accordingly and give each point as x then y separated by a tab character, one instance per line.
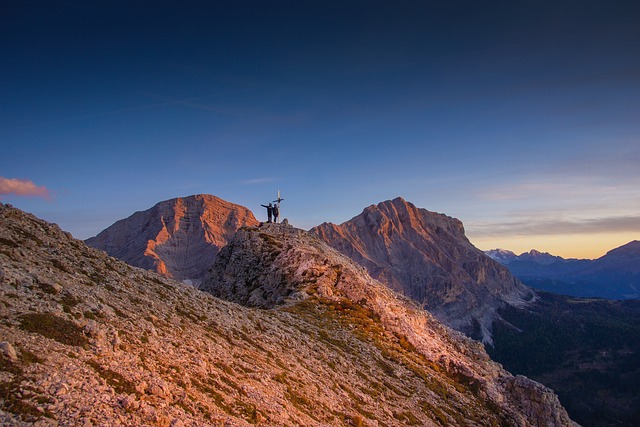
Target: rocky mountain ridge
275	265
427	257
421	254
90	340
178	238
506	257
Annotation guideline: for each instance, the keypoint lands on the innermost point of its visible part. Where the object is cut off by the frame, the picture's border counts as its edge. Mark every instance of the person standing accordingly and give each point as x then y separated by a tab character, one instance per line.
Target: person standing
276	213
269	211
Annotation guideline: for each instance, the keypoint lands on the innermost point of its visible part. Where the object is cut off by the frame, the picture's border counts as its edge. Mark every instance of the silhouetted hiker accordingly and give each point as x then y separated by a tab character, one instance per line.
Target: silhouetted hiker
276	213
269	211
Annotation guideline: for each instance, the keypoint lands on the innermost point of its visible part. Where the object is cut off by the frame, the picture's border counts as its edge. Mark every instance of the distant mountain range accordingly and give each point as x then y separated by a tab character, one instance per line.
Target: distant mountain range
506	257
615	275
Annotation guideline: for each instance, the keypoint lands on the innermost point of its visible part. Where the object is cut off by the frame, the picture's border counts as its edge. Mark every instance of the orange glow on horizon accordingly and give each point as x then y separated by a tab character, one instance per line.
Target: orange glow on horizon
582	246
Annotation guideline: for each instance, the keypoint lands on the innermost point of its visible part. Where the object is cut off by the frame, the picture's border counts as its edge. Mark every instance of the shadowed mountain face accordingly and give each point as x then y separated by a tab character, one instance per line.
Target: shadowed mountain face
615	275
587	350
178	238
90	340
427	257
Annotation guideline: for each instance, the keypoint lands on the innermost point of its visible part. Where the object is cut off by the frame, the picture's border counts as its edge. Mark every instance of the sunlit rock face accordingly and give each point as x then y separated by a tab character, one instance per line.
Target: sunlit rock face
178	238
427	257
278	267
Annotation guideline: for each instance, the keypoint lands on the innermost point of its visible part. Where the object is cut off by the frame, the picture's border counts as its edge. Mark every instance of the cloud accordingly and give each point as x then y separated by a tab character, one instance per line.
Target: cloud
257	181
532	227
531	189
22	187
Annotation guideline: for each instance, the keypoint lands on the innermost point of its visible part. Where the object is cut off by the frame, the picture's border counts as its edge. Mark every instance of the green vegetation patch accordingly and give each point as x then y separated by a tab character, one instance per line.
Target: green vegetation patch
23	408
119	383
586	350
10	391
398	353
69	300
60	265
299	401
407	418
270	240
8	242
53	327
48	288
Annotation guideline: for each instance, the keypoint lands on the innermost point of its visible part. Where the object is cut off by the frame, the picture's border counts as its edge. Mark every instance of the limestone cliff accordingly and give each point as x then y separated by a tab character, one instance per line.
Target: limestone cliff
178	238
86	339
427	257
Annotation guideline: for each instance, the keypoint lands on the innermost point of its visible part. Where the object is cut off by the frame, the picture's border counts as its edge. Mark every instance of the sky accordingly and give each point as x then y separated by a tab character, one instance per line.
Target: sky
521	119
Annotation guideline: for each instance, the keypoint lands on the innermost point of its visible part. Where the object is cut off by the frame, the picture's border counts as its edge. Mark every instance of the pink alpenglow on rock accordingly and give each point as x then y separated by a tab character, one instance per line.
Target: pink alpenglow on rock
178	238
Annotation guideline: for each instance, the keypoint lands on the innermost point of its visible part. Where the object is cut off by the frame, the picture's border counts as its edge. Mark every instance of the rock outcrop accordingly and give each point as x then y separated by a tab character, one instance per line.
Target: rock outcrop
275	265
178	238
90	340
427	257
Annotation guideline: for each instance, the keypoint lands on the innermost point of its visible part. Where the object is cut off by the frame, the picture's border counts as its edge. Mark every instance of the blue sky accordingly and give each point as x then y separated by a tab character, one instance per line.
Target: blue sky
522	119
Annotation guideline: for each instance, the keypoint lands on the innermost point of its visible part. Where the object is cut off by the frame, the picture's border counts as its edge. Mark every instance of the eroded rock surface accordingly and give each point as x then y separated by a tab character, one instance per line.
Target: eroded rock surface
427	257
178	238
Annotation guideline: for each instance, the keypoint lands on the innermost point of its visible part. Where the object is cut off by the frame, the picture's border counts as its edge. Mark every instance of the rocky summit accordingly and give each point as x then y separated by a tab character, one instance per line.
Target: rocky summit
86	339
427	257
178	238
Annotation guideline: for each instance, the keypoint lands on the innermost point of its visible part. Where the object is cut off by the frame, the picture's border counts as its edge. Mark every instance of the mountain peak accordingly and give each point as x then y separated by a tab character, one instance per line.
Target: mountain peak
503	256
401	216
427	257
178	238
631	249
538	257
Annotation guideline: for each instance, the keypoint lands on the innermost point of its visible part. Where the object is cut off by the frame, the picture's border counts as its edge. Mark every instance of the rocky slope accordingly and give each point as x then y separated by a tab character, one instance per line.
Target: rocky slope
86	339
277	265
427	257
178	238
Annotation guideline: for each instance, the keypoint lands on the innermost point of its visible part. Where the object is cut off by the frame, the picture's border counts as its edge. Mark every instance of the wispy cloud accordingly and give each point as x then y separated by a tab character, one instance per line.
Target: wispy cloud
159	101
258	181
588	182
22	187
532	189
533	227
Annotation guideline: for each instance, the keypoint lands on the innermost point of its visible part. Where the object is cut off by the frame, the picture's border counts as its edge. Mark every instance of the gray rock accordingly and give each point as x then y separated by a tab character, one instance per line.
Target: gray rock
8	351
130	403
